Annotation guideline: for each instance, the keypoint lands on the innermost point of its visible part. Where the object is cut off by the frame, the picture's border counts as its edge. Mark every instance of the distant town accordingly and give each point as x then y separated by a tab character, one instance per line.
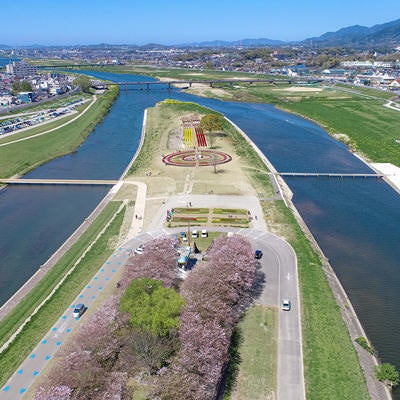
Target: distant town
364	68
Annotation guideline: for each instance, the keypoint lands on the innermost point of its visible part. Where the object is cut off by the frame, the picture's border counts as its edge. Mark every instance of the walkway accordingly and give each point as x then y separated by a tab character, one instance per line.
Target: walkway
21	181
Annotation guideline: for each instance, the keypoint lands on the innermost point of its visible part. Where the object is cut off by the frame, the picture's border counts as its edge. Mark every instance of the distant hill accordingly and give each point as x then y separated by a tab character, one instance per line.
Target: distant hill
383	35
236	43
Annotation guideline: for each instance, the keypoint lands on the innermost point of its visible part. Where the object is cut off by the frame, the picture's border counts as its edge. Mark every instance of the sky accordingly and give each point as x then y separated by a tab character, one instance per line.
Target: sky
69	22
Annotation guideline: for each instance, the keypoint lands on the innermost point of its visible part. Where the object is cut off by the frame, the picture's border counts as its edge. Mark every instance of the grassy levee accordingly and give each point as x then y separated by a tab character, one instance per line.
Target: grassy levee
42	321
365	121
331	367
18	158
38	129
367	91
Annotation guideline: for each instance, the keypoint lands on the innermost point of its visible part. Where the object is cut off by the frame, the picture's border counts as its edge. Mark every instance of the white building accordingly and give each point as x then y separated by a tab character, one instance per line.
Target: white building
21	69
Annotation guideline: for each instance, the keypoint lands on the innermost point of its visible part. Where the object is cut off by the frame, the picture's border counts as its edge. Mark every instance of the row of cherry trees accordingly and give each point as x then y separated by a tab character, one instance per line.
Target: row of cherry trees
184	363
216	293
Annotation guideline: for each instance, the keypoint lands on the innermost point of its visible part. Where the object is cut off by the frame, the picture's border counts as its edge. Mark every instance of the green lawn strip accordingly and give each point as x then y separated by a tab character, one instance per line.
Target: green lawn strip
332	369
233	211
191	210
25	307
368	91
252	373
23	156
366	122
38	129
24	343
203	243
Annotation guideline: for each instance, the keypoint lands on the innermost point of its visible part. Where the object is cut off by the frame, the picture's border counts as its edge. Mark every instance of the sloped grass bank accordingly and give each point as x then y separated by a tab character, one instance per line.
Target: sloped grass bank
20	157
41	322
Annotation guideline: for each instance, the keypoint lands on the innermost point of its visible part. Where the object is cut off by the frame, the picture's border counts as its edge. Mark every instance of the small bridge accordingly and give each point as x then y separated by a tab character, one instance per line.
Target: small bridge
328	174
18	181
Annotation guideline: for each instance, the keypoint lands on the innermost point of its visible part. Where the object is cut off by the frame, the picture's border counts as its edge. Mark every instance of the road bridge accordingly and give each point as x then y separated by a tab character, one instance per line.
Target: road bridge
329	175
210	82
21	181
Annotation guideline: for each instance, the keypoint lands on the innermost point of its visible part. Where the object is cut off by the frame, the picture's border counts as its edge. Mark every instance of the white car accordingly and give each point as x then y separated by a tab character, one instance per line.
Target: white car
286	305
79	310
139	250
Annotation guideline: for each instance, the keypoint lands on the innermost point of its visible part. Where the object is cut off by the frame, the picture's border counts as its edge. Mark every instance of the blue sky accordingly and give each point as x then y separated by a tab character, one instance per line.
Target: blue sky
178	21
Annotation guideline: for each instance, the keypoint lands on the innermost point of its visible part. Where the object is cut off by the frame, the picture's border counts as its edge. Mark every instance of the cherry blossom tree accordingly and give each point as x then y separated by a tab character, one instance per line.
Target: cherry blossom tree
216	294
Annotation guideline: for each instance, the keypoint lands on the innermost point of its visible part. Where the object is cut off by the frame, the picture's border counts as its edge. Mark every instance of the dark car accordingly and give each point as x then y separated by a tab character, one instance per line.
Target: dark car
79	310
258	254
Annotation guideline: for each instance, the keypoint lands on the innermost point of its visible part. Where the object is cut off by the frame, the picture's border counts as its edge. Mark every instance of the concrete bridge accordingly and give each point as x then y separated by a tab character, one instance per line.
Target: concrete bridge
21	181
210	82
328	174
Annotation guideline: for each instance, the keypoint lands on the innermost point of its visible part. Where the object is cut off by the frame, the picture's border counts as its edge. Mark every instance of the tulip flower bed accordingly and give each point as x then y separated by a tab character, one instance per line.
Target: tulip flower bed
201	139
192	158
188	137
191	210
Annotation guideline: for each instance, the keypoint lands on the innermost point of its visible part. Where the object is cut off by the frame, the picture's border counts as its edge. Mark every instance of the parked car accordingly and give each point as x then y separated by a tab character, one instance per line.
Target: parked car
140	249
79	310
286	305
258	254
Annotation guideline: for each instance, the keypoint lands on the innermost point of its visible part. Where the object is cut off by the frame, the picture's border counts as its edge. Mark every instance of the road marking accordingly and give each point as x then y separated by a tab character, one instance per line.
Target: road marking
62	328
288	276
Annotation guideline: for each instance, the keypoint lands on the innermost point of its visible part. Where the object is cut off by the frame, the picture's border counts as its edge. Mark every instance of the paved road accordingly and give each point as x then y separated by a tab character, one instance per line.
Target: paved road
26	373
279	263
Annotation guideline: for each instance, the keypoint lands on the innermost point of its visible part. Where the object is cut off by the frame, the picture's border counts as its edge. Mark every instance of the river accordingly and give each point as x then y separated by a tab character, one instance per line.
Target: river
356	221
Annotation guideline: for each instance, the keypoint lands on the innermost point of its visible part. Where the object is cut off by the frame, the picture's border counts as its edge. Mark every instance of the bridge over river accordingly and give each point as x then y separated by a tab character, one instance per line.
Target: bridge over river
103	182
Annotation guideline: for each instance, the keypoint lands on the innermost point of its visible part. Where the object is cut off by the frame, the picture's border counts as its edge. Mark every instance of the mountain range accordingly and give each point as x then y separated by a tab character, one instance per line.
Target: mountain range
382	35
387	34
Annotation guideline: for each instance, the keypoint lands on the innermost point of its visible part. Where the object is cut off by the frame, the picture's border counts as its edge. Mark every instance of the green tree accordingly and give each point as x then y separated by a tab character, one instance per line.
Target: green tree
388	374
83	82
26	86
211	122
151	306
21	86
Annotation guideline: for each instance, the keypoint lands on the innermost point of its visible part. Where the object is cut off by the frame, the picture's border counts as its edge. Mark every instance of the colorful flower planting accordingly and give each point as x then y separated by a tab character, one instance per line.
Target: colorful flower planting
188	139
192	158
201	139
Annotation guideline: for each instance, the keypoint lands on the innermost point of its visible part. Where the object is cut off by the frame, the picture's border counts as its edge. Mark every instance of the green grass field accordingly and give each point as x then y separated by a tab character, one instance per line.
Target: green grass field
253	370
371	128
48	314
18	158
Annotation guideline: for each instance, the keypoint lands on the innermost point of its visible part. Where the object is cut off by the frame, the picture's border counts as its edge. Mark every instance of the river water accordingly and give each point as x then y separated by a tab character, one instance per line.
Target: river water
356	221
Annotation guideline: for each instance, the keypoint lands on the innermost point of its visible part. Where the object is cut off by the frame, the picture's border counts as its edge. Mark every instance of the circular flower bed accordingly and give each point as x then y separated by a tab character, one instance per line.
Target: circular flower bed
191	158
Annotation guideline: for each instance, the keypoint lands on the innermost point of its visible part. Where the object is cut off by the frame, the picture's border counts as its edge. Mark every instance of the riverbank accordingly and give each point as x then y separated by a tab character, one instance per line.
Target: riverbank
19	157
310	278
